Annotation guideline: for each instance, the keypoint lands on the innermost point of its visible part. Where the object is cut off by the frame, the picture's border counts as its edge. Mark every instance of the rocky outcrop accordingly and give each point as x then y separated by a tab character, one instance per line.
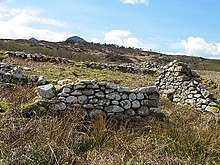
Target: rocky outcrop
100	98
181	84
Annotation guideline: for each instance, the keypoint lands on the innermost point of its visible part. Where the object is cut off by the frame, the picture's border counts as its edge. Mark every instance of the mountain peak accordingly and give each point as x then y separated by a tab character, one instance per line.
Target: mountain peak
32	39
76	39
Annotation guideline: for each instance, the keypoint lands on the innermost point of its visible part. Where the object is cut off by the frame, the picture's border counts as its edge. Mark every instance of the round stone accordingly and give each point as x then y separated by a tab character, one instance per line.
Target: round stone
140	96
100	94
76	93
93	101
124	97
113	96
126	104
143	111
132	97
82	99
58	106
71	99
136	104
66	90
114	102
103	102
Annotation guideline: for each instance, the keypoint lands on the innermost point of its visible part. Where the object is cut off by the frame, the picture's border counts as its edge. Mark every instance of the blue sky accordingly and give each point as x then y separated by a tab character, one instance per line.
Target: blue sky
169	26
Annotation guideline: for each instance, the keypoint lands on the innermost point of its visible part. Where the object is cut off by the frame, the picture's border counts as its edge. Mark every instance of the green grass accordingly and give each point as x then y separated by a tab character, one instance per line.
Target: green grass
202	64
63	71
4	106
61	52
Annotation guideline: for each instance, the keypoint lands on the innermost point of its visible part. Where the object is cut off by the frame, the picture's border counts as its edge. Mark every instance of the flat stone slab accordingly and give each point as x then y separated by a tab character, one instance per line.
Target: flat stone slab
46	91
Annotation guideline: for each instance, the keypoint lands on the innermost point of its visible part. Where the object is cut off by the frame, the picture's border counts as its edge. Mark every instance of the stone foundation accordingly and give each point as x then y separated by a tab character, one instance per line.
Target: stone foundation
182	85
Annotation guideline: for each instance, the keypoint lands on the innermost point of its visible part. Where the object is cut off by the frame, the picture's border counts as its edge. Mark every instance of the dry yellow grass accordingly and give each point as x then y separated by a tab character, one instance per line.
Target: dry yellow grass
184	136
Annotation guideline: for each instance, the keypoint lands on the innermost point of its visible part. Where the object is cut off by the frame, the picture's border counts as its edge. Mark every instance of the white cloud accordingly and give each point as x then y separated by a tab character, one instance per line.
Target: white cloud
19	23
200	47
135	2
95	40
122	37
125	38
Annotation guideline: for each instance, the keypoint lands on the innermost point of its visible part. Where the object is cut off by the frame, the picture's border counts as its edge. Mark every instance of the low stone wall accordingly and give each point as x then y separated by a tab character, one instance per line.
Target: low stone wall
144	67
182	85
100	98
11	73
37	57
14	74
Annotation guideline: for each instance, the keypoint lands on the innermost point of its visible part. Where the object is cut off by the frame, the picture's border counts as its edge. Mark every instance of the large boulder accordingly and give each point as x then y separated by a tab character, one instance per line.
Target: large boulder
46	91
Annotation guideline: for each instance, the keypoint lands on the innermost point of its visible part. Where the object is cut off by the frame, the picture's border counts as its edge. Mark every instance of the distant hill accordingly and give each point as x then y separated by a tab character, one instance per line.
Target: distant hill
76	39
32	39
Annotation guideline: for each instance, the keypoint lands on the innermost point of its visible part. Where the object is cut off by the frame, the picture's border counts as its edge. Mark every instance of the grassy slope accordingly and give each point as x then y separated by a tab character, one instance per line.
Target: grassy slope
98	53
184	137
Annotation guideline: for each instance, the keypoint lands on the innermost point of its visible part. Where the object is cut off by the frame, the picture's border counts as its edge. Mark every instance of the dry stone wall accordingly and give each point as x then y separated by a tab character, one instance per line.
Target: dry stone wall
100	98
11	73
14	74
144	67
182	85
36	57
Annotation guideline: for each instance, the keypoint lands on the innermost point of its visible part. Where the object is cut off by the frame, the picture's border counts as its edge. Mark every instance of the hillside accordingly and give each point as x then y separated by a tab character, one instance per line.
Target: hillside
30	133
84	51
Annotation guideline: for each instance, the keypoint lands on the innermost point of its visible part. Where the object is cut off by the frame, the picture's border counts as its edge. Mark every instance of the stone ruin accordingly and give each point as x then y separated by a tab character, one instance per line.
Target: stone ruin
143	67
181	84
176	81
99	98
14	74
11	73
